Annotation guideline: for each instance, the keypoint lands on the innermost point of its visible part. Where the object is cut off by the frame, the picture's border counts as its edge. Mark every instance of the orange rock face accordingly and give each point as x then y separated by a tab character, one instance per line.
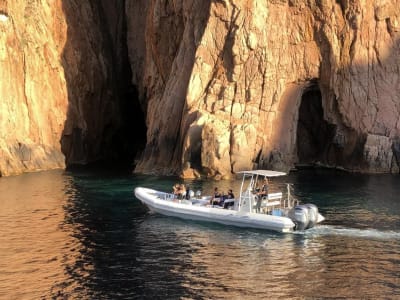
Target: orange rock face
268	84
224	85
63	78
32	86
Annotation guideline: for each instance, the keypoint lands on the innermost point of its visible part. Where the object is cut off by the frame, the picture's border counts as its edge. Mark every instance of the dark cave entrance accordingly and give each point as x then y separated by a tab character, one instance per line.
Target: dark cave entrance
314	134
117	137
131	139
123	141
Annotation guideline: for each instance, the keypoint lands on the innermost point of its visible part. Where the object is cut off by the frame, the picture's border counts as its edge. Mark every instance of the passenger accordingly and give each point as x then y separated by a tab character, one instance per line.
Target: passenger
183	192
260	194
179	190
264	189
176	189
216	197
230	195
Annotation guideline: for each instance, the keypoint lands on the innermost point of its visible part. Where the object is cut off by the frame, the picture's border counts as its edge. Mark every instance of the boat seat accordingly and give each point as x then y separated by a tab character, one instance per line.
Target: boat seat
273	196
271	201
229	200
268	200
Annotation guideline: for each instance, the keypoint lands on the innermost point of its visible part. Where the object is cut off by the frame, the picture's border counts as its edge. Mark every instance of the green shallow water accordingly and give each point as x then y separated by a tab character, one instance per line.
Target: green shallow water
84	235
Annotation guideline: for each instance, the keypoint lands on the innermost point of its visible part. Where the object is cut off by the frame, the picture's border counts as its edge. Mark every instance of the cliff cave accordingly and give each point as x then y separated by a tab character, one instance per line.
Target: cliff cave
314	134
105	124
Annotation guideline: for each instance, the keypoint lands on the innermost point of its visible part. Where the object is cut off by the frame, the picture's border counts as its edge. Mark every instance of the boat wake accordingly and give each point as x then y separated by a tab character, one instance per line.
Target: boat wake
350	232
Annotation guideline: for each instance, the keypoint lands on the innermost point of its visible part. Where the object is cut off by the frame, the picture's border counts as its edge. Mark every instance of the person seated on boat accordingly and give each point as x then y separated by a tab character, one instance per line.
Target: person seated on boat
230	195
179	190
183	192
176	189
217	197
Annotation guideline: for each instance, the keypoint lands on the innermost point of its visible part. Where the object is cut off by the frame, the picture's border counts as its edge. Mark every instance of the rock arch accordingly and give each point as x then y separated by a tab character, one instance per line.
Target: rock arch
307	130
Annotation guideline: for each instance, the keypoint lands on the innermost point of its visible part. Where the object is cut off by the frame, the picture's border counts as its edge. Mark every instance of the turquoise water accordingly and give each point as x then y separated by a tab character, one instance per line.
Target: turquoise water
84	235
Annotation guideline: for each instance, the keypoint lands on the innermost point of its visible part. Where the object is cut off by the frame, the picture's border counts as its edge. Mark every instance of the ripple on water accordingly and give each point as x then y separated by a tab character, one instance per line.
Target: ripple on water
67	235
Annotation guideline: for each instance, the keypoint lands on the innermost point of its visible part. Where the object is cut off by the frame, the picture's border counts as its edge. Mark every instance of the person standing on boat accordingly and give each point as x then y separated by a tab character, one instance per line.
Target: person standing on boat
263	192
189	193
264	189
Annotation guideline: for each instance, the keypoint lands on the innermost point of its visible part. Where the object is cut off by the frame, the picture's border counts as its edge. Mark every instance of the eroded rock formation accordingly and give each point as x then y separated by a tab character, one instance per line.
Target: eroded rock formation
223	85
65	89
33	90
230	96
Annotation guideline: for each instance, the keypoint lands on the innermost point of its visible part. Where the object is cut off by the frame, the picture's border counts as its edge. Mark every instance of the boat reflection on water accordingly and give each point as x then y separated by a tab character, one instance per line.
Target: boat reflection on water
221	263
212	261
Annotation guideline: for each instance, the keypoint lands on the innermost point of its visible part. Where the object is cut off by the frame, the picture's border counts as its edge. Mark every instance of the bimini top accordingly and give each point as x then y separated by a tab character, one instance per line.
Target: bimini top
266	173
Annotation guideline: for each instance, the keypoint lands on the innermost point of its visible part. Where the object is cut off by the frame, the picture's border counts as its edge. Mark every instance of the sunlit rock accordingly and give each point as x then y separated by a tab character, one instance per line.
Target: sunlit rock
3	18
262	57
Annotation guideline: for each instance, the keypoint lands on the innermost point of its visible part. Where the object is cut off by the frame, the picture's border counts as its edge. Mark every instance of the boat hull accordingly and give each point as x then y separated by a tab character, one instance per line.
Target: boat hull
156	201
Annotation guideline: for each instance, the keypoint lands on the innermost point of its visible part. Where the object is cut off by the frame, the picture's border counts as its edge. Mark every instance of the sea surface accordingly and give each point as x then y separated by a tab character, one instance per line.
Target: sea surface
83	235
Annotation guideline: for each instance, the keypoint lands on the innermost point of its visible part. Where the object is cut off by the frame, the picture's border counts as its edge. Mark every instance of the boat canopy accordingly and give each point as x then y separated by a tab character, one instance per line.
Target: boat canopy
247	190
265	173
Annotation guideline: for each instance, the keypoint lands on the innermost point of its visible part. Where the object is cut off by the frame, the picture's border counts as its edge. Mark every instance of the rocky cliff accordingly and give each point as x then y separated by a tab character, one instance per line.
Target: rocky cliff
223	85
268	84
33	89
66	96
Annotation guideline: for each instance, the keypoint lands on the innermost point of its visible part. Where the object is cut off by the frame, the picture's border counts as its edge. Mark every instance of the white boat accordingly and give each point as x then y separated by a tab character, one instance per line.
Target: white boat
271	212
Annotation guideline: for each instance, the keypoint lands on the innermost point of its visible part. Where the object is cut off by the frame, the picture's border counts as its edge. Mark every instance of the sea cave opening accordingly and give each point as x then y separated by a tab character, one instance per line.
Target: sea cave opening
132	135
113	112
122	141
314	133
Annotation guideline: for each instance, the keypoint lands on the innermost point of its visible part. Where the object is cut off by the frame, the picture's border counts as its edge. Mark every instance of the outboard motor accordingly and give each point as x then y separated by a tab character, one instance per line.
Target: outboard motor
299	215
312	214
